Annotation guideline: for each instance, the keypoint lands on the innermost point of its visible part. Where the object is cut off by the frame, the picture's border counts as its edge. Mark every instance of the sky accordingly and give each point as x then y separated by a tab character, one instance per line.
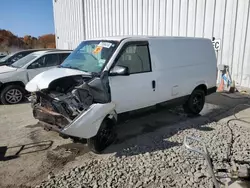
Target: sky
27	17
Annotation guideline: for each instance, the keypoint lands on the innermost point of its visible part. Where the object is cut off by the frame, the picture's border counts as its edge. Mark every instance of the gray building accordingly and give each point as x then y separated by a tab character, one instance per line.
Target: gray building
227	21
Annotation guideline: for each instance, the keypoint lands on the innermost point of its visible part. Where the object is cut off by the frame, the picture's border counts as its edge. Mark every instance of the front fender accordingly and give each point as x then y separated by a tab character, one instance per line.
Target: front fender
11	77
87	124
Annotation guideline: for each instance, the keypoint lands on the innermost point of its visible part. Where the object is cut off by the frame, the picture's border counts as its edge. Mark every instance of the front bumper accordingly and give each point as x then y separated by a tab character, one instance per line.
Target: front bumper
50	119
85	125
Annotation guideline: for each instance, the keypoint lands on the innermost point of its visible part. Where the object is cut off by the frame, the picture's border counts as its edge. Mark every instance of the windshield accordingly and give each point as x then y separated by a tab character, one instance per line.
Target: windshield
23	61
6	57
90	56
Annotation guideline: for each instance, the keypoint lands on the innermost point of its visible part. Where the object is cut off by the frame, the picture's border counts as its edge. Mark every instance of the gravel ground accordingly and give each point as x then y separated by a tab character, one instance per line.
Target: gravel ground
149	151
164	161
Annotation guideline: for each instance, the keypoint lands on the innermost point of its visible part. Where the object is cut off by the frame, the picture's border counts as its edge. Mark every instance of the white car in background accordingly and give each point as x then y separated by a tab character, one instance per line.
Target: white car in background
13	78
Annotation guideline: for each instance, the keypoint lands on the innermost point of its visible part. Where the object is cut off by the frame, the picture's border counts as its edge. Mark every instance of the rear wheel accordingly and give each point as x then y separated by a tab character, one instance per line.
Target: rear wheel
12	94
105	137
195	103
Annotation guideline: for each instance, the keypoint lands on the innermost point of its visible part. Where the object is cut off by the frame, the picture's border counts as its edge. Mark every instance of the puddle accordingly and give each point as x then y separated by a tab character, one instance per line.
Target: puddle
73	147
33	135
66	153
148	128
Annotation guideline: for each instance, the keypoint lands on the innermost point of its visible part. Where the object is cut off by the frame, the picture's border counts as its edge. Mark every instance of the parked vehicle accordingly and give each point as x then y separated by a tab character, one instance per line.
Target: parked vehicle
14	77
105	78
13	57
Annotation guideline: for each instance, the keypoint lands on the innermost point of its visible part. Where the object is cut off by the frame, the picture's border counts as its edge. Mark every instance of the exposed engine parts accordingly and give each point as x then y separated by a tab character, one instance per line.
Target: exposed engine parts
66	98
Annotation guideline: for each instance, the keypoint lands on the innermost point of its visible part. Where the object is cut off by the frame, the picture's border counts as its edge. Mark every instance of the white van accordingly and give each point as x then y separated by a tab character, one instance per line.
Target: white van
104	78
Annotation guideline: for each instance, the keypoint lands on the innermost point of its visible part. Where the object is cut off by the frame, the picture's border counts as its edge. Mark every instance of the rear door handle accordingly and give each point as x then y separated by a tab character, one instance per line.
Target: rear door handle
153	85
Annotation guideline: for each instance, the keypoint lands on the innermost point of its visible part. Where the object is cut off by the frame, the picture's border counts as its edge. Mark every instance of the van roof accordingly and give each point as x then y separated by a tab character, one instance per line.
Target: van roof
119	38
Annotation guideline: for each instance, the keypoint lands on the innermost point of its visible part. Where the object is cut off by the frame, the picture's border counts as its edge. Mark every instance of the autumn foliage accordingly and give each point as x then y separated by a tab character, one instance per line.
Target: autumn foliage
9	41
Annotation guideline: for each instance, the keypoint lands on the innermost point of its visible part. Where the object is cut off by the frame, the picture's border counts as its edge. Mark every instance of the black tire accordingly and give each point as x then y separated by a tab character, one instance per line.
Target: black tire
99	142
5	99
195	102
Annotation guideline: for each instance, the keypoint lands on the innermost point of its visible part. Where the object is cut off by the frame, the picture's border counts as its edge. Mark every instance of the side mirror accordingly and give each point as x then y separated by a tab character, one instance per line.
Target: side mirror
119	71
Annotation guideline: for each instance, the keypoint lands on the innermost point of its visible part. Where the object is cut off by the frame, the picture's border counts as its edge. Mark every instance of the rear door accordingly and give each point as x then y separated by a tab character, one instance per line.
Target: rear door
136	90
42	64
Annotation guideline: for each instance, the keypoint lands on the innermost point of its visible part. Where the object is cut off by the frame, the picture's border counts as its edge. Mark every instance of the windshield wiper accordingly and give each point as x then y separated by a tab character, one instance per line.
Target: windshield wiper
70	67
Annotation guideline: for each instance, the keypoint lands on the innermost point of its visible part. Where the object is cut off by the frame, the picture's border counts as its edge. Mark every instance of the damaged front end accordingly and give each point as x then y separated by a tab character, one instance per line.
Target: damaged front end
74	105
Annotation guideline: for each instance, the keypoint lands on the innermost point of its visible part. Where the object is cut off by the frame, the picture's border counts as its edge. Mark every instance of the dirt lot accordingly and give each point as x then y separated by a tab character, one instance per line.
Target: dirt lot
28	154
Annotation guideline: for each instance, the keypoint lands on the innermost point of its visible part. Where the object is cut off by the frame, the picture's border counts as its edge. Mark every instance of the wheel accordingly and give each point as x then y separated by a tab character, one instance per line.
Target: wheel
12	94
195	103
104	137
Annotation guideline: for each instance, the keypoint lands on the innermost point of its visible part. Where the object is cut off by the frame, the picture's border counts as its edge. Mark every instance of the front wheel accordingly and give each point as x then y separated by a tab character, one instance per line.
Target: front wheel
12	94
104	137
195	103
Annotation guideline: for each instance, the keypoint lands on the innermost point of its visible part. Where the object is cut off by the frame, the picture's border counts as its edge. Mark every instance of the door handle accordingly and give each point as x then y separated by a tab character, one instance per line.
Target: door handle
153	85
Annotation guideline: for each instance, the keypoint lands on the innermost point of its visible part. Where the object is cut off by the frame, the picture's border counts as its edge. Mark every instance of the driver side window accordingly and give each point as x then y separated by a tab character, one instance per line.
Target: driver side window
136	58
45	61
39	63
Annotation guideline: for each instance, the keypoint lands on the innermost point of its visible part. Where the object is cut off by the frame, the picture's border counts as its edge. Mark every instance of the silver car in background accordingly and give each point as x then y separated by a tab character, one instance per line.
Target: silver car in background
14	77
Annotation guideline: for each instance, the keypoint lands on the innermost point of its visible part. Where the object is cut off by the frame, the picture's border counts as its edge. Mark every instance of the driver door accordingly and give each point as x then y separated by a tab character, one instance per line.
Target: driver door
42	64
136	90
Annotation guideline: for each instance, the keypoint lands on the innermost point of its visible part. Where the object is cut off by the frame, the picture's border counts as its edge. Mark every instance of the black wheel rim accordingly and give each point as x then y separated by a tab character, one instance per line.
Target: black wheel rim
198	102
105	135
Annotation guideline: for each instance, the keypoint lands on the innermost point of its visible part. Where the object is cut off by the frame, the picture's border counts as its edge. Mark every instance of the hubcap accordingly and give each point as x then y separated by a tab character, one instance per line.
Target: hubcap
13	96
105	135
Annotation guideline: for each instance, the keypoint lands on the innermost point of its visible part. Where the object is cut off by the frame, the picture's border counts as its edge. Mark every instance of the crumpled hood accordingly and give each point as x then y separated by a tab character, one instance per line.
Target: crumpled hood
4	69
42	80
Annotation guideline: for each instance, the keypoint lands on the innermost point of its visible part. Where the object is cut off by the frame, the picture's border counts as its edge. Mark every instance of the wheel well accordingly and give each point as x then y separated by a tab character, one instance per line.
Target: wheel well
19	83
202	87
110	121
